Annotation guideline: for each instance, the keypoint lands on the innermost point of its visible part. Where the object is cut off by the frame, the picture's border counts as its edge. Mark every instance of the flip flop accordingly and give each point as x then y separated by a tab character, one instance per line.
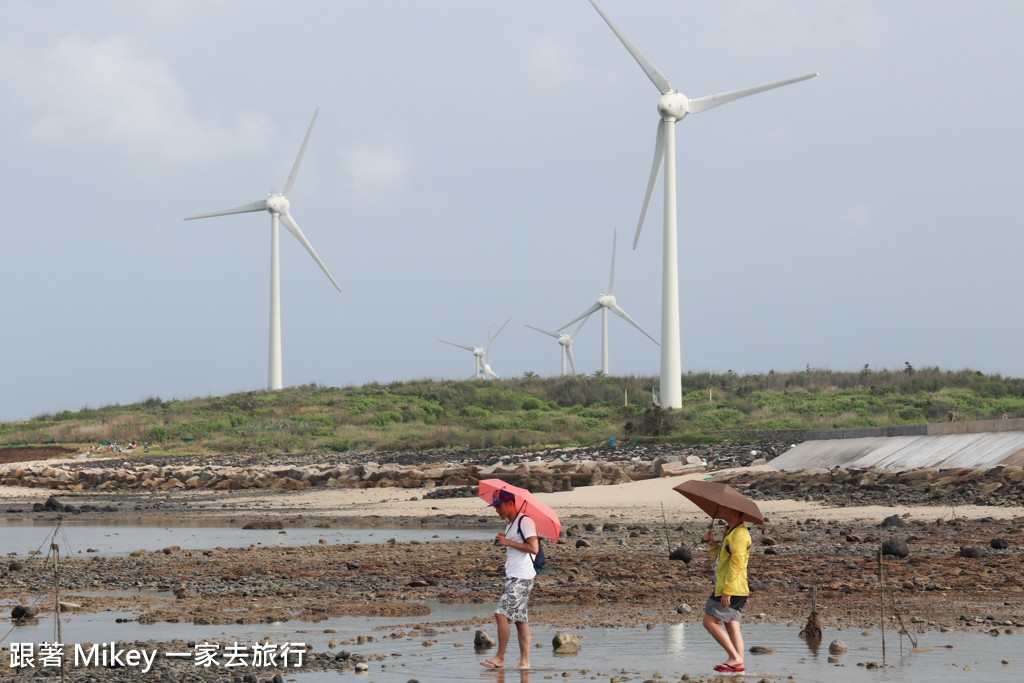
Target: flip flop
491	665
729	668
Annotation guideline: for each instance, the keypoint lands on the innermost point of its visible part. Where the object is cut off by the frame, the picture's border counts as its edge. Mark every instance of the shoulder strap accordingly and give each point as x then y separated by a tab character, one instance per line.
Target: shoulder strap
520	526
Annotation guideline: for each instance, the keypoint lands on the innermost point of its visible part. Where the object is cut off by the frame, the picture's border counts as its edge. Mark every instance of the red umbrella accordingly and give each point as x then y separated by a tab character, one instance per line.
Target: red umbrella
711	496
546	519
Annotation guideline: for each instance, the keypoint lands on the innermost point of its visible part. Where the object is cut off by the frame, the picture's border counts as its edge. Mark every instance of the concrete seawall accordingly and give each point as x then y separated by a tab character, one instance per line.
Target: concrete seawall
974	445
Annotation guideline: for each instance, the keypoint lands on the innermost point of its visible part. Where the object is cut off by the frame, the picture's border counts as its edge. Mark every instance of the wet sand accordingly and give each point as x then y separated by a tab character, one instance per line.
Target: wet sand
611	568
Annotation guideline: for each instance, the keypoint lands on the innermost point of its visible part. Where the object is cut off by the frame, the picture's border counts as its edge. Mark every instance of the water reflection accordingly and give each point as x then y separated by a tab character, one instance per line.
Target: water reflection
506	676
674	637
813	644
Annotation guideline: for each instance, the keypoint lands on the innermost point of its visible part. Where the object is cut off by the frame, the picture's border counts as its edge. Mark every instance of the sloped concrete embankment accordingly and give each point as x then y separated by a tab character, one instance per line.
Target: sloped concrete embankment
999	486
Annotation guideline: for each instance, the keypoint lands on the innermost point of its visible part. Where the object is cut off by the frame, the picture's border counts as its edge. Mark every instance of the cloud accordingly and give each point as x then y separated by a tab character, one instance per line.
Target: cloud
375	172
550	63
799	27
855	218
107	92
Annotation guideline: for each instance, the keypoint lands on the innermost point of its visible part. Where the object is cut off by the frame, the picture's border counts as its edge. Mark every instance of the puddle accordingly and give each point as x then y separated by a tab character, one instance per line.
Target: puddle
670	650
79	539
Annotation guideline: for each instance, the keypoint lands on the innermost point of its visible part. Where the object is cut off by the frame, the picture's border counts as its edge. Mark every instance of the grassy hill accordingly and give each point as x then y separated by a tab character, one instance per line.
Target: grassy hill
526	412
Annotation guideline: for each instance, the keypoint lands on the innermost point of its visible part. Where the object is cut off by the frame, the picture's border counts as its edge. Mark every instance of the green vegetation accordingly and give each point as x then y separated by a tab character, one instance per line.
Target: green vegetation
526	412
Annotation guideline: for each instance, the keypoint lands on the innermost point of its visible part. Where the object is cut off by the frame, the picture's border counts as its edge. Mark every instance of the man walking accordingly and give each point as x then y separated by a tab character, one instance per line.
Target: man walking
520	541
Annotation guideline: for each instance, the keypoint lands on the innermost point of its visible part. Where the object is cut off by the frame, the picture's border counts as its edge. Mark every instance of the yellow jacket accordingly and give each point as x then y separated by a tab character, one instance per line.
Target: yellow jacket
731	564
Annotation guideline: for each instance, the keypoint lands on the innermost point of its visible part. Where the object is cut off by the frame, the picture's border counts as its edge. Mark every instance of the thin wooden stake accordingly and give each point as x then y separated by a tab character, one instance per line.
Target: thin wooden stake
665	520
56	591
881	599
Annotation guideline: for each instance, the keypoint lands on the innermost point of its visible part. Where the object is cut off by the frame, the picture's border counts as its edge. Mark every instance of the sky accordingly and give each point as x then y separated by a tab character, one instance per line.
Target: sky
471	162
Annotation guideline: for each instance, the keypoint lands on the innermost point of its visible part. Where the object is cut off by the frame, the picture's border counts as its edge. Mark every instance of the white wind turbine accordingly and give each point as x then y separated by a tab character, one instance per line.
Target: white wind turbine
672	107
278	206
565	340
482	354
605	303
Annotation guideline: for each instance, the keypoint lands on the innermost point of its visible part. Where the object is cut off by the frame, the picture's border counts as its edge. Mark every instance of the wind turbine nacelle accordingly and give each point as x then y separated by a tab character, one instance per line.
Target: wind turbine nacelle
565	340
278	203
673	105
478	352
606	300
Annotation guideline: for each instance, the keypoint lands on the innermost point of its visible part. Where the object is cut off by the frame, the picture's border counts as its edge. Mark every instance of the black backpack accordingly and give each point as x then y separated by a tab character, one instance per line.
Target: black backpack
538	560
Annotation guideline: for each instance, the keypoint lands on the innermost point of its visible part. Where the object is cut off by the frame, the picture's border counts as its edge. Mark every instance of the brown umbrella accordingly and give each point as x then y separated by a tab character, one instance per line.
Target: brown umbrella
712	496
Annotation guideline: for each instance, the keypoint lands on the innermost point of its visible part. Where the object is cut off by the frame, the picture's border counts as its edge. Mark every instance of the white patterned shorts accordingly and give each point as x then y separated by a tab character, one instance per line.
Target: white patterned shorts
513	601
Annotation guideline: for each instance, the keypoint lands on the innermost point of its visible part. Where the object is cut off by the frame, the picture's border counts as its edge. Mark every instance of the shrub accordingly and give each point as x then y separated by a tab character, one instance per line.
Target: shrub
158	434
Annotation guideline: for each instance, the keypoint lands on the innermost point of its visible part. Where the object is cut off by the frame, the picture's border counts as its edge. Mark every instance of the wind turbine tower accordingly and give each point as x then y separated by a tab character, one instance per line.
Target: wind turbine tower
279	208
565	340
607	302
482	354
673	106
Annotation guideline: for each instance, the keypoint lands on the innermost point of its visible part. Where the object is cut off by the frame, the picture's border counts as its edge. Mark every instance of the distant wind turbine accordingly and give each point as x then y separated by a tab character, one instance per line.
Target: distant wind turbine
565	340
605	303
482	354
278	206
672	107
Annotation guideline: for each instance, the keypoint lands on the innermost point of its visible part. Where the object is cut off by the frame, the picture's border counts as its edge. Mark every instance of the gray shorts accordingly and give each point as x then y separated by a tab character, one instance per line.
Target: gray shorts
726	614
513	600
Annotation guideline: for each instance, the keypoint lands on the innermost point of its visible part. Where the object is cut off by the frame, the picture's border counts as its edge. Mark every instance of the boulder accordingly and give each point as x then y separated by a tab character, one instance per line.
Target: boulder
837	647
681	554
23	612
896	547
565	643
675	469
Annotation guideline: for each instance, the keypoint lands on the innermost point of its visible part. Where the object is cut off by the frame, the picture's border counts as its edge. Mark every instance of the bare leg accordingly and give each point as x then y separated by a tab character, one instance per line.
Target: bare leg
733	629
723	638
504	632
523	629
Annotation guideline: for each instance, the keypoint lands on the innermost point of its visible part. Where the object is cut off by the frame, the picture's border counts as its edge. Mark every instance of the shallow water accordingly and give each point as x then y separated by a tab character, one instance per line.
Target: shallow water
22	537
673	650
634	653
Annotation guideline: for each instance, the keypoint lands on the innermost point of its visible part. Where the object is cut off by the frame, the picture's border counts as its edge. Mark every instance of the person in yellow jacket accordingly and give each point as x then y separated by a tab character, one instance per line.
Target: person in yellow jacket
731	590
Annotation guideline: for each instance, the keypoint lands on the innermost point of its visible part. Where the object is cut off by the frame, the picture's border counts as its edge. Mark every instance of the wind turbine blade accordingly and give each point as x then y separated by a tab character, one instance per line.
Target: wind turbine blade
577	330
572	360
660	82
298	162
711	101
261	205
547	332
611	280
625	316
491	340
659	161
490	373
584	314
293	228
461	346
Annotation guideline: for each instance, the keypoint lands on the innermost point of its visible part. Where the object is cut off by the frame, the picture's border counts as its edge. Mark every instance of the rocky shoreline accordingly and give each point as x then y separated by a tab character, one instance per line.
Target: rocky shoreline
944	572
546	470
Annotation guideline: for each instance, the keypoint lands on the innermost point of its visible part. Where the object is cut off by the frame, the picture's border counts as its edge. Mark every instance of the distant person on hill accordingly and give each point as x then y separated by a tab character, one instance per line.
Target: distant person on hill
1006	414
731	589
951	415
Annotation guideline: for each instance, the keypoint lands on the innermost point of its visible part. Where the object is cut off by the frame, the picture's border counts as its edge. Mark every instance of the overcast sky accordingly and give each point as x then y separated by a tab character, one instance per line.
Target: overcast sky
470	163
